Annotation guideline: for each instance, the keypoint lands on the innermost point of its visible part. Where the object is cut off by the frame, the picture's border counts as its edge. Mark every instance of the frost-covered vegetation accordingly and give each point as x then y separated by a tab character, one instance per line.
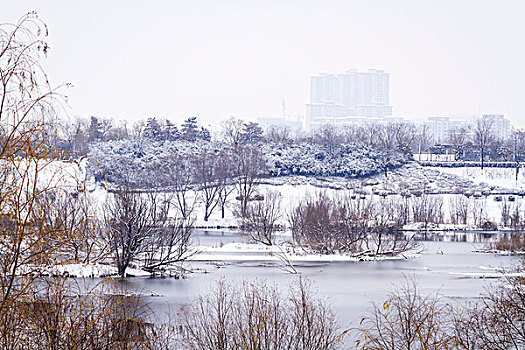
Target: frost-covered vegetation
281	159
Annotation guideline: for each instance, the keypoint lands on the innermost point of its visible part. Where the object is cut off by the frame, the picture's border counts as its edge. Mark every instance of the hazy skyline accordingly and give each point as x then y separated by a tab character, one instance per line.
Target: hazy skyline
216	59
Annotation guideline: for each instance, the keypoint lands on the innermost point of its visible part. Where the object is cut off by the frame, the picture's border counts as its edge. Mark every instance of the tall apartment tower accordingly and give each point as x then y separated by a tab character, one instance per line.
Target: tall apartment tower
354	94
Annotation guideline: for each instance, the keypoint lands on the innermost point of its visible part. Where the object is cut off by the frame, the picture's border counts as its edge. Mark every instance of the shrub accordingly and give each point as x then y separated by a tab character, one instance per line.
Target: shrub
257	316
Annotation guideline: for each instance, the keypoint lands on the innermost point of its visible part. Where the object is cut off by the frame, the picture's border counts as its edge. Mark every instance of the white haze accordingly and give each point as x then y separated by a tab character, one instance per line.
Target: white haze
214	59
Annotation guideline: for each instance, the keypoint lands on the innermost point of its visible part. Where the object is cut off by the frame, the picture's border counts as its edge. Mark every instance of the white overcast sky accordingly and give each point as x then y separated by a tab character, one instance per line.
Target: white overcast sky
215	59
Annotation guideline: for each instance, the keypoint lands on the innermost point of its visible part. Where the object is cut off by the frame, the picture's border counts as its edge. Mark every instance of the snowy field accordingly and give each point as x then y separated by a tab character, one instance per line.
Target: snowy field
482	187
445	183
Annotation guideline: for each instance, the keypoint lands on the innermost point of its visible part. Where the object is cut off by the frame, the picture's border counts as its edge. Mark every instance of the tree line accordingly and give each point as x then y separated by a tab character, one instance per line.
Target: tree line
473	142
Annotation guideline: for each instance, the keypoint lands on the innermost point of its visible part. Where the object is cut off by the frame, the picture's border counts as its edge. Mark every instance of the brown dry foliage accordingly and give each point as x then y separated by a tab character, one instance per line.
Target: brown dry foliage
39	223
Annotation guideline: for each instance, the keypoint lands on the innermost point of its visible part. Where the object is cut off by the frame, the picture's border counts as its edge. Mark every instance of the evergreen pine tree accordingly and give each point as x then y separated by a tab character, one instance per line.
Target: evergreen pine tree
189	129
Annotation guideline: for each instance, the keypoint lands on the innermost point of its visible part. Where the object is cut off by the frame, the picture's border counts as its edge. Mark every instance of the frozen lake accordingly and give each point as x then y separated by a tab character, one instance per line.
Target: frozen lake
448	266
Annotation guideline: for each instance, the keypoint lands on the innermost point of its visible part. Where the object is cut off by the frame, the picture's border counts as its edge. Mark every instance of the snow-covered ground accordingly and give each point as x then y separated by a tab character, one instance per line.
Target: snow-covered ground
81	270
488	177
278	254
412	178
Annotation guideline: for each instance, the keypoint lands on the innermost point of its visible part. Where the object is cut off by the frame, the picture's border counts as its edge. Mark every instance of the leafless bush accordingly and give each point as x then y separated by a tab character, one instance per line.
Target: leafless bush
427	209
496	321
327	225
62	314
505	212
459	207
72	215
257	316
384	236
479	212
517	219
260	220
407	320
512	242
345	225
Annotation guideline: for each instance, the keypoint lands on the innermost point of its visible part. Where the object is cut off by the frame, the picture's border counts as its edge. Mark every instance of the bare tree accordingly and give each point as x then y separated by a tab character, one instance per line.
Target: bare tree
38	312
517	217
350	134
404	134
137	130
459	207
505	212
517	147
249	167
479	212
371	134
171	242
459	139
207	167
483	137
26	98
278	134
131	224
180	175
74	134
261	218
384	236
423	137
329	136
226	176
427	209
387	136
138	226
73	213
232	131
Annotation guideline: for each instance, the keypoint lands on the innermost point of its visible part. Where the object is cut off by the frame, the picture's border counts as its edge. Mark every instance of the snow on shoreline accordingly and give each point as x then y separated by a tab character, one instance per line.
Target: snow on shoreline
257	252
230	252
82	270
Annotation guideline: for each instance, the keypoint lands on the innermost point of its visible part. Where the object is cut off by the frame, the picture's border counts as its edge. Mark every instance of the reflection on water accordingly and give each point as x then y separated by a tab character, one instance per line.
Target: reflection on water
217	238
455	236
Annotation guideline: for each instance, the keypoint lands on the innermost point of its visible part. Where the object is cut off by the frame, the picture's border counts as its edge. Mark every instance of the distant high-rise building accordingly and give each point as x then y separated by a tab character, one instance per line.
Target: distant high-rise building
440	127
353	94
500	126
